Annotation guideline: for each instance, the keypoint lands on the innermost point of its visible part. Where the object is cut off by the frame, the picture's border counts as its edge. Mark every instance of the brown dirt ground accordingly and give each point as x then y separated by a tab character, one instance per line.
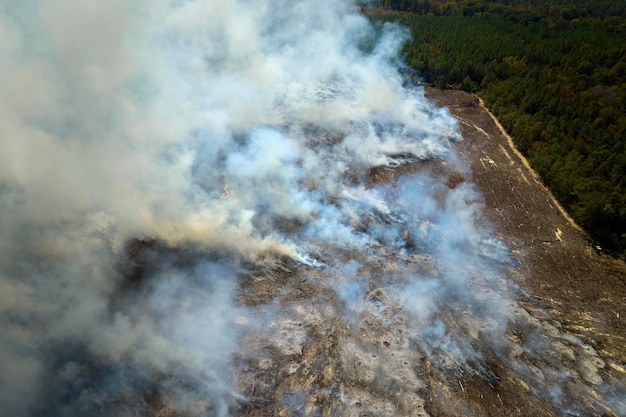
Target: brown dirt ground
579	286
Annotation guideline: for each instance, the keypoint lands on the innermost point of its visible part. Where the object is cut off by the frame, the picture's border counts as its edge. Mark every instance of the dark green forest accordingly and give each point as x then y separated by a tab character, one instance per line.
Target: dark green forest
554	73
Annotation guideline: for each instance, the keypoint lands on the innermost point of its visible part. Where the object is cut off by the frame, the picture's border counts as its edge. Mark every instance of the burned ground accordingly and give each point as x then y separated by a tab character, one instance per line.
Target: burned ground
537	332
562	352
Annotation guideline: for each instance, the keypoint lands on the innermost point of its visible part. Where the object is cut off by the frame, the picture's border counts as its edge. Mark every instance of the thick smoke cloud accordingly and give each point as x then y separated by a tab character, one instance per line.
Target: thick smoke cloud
226	128
179	121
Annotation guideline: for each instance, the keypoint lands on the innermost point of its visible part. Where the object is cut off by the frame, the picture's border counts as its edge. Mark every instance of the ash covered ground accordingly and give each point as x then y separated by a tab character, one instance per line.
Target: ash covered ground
243	209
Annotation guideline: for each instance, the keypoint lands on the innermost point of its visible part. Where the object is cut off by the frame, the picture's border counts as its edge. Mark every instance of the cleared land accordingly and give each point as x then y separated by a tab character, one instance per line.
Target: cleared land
580	286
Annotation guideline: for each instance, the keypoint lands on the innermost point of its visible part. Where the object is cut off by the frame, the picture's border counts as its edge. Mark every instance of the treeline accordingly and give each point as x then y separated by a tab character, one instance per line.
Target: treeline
554	73
516	9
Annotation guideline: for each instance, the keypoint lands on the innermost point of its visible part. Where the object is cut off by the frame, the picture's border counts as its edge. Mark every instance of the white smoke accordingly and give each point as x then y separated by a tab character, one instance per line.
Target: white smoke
223	127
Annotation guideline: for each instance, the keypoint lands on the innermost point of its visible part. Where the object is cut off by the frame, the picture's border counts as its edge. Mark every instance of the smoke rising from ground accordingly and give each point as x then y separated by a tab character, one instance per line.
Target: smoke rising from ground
226	127
223	136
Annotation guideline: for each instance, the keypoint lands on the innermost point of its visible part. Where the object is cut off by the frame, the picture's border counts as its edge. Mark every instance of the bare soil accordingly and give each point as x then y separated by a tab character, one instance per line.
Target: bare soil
560	266
565	276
